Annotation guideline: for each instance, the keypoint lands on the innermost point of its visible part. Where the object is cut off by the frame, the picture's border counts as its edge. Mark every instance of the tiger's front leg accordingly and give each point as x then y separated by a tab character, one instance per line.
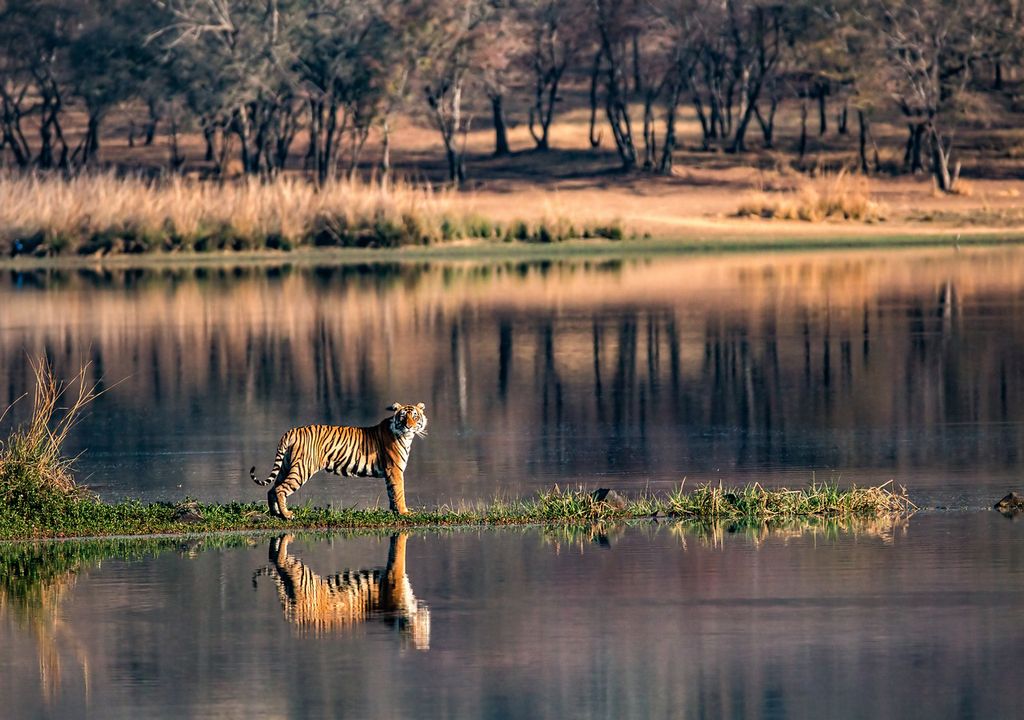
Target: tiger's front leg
395	480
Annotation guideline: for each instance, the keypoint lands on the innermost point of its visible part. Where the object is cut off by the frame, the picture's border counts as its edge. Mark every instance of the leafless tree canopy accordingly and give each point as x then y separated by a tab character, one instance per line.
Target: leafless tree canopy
253	75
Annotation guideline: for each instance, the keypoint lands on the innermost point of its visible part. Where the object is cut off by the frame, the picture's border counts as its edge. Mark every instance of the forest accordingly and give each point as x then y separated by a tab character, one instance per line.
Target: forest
298	85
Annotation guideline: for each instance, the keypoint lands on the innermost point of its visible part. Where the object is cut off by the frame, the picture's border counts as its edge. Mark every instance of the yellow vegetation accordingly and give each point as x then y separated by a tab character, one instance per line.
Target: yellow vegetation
97	214
836	197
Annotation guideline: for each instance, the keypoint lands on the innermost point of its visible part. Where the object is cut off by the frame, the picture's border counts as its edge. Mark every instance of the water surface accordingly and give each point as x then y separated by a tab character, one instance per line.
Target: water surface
863	366
920	619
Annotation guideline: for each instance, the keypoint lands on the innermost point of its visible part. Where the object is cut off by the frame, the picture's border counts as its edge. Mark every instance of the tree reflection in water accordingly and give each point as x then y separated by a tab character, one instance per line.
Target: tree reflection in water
895	365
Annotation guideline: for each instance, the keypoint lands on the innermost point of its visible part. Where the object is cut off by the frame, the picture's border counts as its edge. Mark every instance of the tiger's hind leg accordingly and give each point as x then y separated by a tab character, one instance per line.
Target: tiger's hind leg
276	497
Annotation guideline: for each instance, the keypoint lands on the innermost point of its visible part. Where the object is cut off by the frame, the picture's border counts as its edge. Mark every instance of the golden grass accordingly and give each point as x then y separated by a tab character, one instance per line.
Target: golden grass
99	214
831	197
34	450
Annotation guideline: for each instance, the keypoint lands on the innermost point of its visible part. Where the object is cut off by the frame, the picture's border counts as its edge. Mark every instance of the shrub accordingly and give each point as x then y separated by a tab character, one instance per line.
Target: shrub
37	486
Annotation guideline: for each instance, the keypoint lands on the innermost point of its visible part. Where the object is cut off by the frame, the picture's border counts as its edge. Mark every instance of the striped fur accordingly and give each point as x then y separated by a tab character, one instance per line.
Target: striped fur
381	450
337	602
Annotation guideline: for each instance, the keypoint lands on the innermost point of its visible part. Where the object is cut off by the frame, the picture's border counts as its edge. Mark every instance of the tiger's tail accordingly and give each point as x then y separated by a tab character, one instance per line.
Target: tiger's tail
282	449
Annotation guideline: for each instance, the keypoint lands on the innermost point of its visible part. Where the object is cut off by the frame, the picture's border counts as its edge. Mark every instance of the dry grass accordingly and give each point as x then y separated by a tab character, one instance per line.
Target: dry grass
829	197
31	459
99	214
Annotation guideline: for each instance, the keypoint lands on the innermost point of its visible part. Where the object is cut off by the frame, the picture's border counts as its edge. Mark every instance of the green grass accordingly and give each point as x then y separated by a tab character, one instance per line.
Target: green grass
496	250
52	516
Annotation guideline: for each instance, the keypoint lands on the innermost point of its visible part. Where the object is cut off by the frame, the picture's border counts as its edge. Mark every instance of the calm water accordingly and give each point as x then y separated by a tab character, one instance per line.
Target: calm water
629	373
636	373
924	620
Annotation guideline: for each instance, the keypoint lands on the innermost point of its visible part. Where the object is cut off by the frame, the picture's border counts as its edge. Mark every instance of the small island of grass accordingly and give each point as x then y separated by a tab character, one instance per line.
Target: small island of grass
40	498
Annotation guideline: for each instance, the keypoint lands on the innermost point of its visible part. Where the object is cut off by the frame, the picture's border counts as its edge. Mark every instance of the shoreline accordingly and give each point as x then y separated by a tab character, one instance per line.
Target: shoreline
724	241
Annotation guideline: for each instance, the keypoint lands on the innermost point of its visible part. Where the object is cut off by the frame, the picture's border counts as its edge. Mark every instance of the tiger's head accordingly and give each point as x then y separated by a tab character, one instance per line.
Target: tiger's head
408	419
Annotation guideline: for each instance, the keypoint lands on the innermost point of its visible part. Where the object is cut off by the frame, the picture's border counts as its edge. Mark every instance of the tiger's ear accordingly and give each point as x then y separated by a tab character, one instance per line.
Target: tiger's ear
422	407
394	407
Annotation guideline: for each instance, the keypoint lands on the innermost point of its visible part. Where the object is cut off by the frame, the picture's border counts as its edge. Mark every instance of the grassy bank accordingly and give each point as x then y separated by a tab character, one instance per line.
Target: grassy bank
697	243
135	221
39	497
90	517
99	215
49	514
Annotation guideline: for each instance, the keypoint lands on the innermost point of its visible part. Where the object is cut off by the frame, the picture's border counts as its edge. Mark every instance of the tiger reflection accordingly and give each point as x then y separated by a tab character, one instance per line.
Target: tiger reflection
336	602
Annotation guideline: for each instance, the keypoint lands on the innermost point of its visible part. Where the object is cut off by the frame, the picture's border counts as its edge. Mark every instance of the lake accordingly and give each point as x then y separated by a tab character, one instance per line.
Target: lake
637	373
920	619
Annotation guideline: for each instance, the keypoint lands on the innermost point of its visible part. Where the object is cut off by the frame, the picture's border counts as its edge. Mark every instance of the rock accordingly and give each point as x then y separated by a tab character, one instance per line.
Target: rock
610	497
187	512
1011	504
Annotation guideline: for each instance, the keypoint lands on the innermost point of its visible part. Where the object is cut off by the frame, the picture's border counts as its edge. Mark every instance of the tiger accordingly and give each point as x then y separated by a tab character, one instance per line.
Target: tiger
340	601
381	450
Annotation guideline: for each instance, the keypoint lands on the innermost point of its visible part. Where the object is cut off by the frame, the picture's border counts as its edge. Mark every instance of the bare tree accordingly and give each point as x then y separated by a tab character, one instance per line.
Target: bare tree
451	46
500	47
342	51
553	42
618	26
35	38
108	62
245	42
756	29
930	46
15	82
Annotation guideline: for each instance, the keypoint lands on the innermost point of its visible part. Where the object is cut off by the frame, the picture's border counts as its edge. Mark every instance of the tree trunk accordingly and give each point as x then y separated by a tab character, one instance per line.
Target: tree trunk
447	107
543	110
456	167
637	82
385	152
13	136
650	139
595	139
618	119
669	146
822	110
739	142
843	120
92	138
45	157
208	136
707	127
284	134
912	160
176	159
243	128
154	118
330	131
501	127
862	143
359	136
768	124
803	128
945	180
